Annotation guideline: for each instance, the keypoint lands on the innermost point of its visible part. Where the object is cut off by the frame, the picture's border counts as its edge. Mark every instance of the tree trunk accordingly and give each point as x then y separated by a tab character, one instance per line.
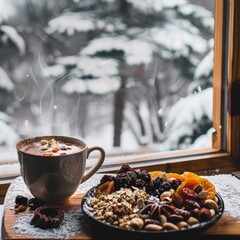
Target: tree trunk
119	104
123	7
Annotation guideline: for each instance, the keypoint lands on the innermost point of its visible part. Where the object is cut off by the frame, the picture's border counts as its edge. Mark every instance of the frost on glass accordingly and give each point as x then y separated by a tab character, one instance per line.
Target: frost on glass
126	75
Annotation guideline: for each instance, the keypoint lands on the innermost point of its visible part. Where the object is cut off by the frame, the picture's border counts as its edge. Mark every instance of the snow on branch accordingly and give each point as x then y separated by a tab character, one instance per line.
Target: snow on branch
6	10
205	67
184	113
135	51
97	67
201	14
155	5
71	23
5	81
176	42
94	75
101	86
10	35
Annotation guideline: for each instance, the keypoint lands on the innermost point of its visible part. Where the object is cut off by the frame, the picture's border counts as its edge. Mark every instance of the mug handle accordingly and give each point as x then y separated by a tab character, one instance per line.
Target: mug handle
97	165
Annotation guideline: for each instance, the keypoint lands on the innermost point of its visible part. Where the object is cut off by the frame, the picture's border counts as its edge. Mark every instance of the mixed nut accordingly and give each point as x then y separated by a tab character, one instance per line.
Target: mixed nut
159	203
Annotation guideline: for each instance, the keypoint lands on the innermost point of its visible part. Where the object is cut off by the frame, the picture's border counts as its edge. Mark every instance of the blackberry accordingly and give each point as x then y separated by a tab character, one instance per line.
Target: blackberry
156	193
21	200
166	186
161	190
150	188
157	182
174	182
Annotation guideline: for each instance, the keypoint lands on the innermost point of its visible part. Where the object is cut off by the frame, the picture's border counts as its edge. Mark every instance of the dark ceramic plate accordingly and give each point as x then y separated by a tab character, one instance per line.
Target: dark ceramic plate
117	231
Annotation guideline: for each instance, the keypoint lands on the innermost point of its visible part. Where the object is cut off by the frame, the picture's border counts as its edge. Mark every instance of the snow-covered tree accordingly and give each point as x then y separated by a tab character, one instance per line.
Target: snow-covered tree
148	39
135	58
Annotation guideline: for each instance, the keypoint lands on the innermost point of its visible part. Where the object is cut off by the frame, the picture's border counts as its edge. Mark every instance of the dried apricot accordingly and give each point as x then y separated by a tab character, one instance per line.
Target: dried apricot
208	186
155	174
175	175
188	175
192	183
105	188
188	183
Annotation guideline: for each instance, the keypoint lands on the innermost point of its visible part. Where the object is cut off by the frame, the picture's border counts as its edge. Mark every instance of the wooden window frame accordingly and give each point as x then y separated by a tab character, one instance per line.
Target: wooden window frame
224	157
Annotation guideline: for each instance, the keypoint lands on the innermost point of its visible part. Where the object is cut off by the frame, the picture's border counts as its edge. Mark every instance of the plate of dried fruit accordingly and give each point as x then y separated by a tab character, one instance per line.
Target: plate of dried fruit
153	203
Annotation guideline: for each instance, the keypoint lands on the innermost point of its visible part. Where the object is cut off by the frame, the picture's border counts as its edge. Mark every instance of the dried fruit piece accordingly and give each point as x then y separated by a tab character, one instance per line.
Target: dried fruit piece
47	217
188	175
20	208
175	175
21	200
105	188
208	186
155	174
189	183
188	193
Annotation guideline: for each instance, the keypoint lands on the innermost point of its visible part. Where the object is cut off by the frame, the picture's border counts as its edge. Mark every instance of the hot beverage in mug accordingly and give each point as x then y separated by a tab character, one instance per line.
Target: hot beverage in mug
52	167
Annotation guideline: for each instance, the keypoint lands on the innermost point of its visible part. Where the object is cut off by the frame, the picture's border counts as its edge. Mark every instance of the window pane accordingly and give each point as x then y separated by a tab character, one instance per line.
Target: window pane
126	75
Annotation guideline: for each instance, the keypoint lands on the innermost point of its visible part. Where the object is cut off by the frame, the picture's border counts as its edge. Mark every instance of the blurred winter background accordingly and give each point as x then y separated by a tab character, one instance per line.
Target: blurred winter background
124	74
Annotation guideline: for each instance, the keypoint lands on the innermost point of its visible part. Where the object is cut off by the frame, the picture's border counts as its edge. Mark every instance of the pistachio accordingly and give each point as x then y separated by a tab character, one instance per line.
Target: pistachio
153	227
165	194
203	194
137	223
182	225
170	226
209	203
192	221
